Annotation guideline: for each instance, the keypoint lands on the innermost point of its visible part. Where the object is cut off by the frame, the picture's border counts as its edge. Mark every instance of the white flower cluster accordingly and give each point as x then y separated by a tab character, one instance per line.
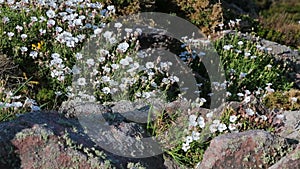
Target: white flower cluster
12	102
58	69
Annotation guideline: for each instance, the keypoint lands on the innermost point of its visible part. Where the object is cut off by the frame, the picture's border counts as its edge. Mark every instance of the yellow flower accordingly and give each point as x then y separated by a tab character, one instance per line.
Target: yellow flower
37	46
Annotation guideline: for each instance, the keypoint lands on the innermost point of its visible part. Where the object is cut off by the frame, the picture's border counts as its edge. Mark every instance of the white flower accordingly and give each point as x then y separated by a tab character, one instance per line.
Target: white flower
50	13
149	65
105	79
209	115
227	47
247	54
81	81
138	31
216	122
124	62
192	120
106	69
97	31
195	135
189	139
107	34
232	118
250	112
185	147
114	66
23	36
128	30
106	90
33	19
280	116
240	43
269	84
19	28
264	118
242	75
111	8
118	25
76	70
174	79
42	31
123	47
146	95
253	57
10	34
5	19
90	62
29	101
247	92
269	49
294	99
269	89
24	49
78	22
165	80
213	128
269	66
16	104
202	100
201	122
81	37
101	59
78	56
51	22
247	99
240	94
58	29
222	127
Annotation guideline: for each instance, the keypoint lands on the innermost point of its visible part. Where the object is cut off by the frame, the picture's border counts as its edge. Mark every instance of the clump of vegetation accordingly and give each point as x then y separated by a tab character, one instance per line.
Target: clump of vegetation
203	127
288	100
248	66
279	22
205	14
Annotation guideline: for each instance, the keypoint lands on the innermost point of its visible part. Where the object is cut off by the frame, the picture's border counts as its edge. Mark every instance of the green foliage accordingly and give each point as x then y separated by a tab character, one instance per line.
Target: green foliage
280	22
242	57
45	96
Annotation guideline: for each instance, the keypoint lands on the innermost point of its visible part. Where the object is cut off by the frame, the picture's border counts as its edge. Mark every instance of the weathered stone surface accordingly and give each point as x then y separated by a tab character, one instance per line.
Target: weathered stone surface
69	139
250	149
291	128
292	160
50	140
35	140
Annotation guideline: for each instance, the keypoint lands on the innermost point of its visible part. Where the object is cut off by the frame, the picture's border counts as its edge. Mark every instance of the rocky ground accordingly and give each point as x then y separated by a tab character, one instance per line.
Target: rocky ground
51	139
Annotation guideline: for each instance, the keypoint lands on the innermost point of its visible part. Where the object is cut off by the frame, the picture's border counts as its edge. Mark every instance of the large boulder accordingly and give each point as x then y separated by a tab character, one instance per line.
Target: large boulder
250	149
39	140
64	140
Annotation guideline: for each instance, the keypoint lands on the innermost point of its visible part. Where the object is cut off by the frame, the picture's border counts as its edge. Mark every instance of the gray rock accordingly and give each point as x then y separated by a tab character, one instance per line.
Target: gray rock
250	149
291	128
